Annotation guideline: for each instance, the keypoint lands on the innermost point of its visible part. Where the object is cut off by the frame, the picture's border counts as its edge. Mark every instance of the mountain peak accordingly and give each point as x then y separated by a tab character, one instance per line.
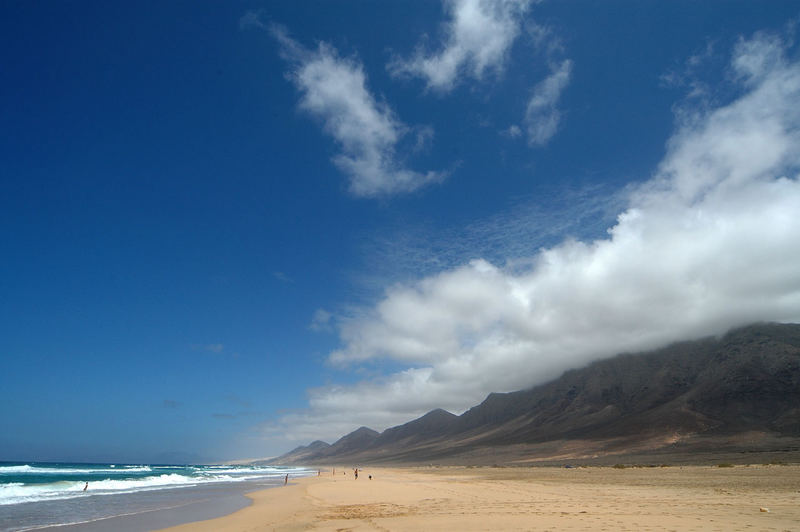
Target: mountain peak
709	390
439	413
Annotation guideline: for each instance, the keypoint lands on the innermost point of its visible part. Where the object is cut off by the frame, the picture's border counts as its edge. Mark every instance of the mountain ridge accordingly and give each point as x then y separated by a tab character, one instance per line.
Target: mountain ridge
679	397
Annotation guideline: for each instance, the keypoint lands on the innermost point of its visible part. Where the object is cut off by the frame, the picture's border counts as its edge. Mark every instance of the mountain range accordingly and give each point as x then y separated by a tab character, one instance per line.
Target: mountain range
719	396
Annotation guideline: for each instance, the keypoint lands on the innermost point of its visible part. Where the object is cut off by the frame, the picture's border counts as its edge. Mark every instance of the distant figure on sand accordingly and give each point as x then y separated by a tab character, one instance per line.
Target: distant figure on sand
356	473
86	487
286	480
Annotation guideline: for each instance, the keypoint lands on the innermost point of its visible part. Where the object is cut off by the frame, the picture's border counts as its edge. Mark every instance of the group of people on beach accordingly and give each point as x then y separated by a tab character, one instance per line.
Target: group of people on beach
319	473
355	473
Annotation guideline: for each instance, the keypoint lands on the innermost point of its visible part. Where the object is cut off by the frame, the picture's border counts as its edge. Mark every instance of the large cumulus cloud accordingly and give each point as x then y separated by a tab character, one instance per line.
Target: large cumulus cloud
710	241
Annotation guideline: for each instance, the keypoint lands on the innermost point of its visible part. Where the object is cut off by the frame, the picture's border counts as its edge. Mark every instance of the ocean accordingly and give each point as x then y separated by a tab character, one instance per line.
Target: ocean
37	496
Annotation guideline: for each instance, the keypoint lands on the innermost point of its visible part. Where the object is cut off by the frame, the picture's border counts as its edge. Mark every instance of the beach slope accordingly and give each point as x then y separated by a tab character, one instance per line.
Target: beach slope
763	497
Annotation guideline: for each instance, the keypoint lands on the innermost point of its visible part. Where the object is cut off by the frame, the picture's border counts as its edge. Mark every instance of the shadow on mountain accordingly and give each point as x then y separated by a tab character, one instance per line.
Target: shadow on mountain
691	401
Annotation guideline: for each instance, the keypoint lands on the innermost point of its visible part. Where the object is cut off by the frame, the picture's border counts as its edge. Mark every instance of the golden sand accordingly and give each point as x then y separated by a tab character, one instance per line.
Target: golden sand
465	499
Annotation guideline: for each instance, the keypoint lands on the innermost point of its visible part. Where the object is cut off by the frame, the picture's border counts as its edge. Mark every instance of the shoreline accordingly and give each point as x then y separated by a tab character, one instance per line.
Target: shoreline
125	498
213	504
483	498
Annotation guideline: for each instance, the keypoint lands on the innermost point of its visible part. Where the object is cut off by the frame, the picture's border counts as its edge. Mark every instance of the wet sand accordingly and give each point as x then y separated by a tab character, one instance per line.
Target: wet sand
133	512
539	498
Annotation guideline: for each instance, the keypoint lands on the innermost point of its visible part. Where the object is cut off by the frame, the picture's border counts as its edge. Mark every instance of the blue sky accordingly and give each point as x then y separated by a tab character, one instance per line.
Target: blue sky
231	228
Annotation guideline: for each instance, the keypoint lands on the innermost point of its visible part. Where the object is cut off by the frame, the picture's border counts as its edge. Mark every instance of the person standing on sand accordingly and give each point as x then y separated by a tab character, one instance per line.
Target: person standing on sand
286	480
356	473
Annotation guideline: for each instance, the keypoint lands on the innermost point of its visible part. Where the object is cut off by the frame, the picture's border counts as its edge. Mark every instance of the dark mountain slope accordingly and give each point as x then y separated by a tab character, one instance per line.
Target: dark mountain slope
748	380
357	440
299	455
432	425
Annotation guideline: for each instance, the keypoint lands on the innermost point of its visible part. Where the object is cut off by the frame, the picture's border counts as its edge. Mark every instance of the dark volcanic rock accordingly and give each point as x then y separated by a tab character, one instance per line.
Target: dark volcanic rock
300	455
748	381
357	440
434	423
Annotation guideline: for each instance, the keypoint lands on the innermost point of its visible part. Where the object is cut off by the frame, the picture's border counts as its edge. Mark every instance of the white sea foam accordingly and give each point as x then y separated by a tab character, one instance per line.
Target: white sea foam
16	493
15	469
267	471
36	470
114	481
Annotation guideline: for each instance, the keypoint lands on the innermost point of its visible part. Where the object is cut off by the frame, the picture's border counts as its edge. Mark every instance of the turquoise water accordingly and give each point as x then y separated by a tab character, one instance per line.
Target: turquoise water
38	494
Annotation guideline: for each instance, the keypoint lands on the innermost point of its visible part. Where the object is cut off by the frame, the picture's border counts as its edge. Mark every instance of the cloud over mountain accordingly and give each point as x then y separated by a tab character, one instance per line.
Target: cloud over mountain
708	243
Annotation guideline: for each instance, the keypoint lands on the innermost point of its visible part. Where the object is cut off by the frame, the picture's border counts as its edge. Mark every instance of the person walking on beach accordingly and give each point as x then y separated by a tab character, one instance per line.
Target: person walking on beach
286	480
356	473
86	487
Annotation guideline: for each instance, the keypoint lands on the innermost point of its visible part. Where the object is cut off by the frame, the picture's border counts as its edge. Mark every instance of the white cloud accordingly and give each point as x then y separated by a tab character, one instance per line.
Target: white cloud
689	74
321	321
213	348
513	131
478	38
542	115
282	277
508	238
708	243
334	90
252	19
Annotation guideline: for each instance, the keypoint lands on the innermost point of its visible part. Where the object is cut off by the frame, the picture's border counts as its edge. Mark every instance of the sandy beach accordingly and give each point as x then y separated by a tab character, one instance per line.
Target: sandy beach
756	497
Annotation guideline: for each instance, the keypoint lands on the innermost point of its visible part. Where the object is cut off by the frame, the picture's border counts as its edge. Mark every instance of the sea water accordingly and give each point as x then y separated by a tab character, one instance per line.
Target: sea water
36	495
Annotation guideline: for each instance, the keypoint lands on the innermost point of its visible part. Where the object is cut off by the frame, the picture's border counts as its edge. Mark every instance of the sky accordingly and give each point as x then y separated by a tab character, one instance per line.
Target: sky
231	228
